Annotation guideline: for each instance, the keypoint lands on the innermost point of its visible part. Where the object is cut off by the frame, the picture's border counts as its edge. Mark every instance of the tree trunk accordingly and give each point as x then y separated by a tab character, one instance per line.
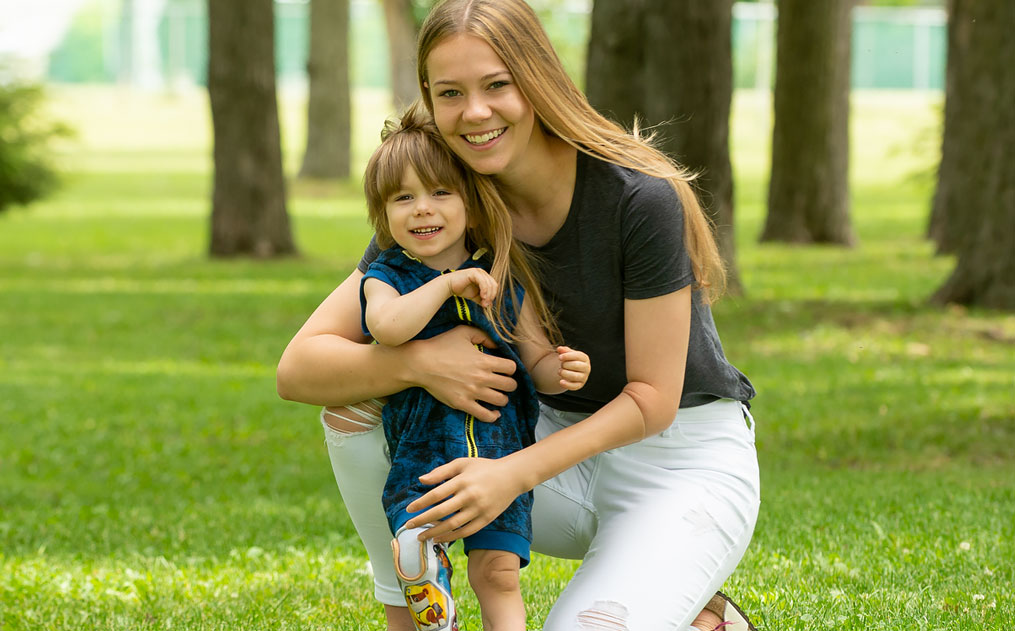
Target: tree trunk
976	184
808	195
670	62
329	133
248	203
401	27
692	89
615	68
956	126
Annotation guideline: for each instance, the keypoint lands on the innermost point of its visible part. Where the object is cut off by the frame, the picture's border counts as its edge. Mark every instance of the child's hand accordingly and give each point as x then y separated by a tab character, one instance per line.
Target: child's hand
473	284
574	368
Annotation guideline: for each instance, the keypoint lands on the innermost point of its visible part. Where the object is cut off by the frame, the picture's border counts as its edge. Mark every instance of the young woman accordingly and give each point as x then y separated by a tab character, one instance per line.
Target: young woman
649	473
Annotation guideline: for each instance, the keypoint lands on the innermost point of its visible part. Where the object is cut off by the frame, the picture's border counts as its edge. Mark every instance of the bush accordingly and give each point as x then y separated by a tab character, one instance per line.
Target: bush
26	171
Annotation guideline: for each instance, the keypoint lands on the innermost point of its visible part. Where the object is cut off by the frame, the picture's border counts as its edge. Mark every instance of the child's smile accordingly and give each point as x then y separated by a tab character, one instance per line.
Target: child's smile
428	222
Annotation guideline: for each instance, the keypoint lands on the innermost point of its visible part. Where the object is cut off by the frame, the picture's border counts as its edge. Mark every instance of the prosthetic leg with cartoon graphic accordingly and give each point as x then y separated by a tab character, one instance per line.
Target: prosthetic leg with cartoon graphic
424	573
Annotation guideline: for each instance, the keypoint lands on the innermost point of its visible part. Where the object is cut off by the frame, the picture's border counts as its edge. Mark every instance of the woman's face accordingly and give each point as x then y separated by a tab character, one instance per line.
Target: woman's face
478	107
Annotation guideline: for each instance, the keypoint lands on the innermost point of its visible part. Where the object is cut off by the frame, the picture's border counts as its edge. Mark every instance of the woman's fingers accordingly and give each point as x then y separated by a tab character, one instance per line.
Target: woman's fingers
457	374
471	492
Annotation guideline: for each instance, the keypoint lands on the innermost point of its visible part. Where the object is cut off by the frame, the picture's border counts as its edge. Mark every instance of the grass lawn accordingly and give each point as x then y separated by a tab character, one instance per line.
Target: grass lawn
150	477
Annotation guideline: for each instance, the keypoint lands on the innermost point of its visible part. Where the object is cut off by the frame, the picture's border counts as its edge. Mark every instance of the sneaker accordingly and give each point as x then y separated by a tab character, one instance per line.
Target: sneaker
424	575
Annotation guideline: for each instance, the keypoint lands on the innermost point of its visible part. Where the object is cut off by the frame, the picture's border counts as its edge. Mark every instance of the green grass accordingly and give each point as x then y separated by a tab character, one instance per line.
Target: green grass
150	478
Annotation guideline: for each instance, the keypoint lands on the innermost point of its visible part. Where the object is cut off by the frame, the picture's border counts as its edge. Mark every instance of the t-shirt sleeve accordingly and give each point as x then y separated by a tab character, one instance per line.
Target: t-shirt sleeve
369	255
380	272
655	258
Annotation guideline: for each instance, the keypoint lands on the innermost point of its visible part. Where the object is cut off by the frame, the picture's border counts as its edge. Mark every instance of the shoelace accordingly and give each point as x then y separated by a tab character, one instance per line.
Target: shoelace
721	625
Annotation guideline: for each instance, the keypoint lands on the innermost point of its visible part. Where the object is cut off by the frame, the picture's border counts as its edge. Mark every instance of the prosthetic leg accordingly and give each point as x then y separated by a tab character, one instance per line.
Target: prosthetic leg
424	573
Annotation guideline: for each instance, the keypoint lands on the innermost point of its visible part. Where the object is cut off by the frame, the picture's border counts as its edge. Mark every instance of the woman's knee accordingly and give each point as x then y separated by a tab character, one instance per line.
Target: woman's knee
353	419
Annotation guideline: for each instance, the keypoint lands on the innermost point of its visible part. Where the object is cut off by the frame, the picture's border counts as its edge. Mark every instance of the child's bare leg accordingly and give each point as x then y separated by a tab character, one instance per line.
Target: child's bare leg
493	575
398	618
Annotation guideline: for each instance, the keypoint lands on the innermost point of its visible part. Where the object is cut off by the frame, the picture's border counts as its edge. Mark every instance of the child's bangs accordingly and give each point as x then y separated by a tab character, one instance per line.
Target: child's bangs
432	164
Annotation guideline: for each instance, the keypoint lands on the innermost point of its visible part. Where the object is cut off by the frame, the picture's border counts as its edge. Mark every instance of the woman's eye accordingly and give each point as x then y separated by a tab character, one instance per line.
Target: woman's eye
449	93
498	84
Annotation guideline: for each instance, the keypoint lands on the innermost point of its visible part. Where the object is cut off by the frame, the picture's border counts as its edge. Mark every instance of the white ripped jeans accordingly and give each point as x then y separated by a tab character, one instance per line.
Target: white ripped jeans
659	524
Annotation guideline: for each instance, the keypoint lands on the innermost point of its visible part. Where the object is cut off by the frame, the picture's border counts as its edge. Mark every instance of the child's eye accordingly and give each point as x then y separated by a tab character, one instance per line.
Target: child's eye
402	197
442	191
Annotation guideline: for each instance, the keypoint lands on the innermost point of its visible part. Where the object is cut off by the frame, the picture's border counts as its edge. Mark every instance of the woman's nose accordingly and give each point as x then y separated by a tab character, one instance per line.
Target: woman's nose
476	109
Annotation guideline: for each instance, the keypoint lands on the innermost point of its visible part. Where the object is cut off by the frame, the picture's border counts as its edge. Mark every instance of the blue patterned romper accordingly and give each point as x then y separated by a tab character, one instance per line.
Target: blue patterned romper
423	433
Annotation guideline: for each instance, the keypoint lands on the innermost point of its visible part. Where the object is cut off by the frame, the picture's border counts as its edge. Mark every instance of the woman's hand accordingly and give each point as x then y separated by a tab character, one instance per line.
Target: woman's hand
471	493
456	373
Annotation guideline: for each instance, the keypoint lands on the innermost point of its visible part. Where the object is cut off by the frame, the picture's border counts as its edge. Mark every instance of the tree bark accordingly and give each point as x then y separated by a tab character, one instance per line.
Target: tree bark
670	62
808	195
615	67
248	203
975	194
401	27
329	106
690	95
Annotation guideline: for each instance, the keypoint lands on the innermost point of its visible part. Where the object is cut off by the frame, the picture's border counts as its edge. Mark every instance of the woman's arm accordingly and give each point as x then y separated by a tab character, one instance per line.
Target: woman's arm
473	491
330	362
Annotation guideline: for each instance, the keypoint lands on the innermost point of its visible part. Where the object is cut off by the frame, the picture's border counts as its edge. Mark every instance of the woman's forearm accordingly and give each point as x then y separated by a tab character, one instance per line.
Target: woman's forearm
331	362
656	358
620	422
331	370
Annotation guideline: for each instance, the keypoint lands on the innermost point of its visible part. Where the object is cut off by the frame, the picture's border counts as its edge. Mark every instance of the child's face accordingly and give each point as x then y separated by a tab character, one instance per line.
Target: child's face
428	223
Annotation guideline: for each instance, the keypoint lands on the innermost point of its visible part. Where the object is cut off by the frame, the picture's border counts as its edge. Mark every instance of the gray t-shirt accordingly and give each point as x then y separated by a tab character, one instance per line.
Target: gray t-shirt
623	238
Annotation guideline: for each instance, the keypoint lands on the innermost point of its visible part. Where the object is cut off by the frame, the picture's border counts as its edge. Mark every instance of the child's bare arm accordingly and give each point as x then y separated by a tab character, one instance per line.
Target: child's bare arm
393	319
552	370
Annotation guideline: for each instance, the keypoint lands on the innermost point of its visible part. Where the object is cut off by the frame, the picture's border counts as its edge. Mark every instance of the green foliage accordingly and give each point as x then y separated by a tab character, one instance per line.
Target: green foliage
150	478
26	170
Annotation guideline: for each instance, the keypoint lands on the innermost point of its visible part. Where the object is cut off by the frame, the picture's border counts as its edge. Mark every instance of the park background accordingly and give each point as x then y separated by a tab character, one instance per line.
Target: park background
150	477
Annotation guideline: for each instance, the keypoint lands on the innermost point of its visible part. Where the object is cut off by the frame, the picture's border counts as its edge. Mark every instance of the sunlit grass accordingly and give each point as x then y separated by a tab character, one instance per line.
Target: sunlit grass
150	478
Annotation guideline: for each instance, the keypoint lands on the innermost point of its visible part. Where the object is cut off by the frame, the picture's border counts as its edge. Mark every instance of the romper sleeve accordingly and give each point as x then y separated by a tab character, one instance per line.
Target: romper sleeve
369	255
382	273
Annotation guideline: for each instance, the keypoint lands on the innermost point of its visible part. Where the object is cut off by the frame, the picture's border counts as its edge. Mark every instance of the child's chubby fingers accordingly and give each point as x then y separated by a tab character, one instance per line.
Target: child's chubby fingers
487	289
573	360
572	380
574	368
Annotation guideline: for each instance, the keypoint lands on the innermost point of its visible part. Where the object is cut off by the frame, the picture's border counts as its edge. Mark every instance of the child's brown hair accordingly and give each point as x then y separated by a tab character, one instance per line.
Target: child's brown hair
413	142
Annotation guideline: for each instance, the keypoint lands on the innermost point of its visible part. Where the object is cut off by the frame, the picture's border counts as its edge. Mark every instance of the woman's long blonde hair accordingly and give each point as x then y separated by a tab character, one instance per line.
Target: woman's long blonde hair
514	32
414	142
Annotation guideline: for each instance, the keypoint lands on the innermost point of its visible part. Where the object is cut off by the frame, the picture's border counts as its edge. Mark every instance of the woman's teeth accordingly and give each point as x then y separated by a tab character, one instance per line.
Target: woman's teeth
484	138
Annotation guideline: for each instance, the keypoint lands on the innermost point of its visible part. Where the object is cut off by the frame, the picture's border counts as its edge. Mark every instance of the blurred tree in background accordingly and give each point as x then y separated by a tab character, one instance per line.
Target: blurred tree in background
26	169
974	204
402	25
670	62
248	215
329	104
808	195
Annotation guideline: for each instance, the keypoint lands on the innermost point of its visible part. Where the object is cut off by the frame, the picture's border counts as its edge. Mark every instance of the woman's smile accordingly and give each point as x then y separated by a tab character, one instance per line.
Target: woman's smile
478	107
484	139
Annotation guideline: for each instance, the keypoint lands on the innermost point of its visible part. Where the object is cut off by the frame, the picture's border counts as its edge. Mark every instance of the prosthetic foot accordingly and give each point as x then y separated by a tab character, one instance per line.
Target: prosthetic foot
424	573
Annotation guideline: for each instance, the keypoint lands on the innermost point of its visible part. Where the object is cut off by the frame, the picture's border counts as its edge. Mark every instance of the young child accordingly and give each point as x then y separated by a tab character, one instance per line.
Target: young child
451	261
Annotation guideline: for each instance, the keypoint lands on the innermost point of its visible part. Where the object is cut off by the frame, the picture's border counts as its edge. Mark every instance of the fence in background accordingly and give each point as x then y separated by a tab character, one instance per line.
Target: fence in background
892	48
